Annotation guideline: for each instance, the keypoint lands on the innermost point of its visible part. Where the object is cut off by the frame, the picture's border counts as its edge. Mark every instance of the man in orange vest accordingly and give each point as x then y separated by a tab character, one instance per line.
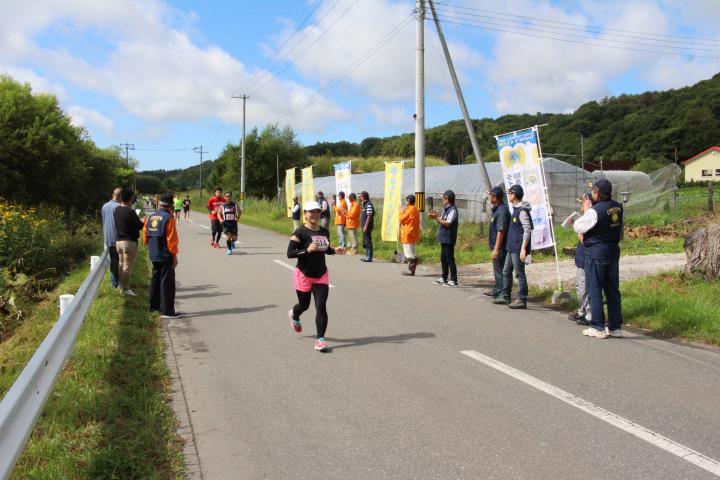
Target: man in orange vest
410	233
352	221
341	211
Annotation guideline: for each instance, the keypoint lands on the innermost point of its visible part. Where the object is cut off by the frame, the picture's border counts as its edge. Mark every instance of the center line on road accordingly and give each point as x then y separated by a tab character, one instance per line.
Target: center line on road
696	458
205	227
290	267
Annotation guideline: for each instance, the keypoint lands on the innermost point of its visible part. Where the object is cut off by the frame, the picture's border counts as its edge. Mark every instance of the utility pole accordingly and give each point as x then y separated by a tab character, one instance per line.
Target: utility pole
277	176
200	151
242	153
128	147
461	100
582	152
420	108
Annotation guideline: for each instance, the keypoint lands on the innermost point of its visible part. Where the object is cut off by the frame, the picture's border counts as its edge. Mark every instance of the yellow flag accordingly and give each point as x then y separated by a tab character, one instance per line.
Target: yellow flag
290	190
391	203
307	186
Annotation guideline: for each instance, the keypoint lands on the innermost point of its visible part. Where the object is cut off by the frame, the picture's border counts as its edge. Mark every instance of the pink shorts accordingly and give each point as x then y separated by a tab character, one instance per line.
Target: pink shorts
304	283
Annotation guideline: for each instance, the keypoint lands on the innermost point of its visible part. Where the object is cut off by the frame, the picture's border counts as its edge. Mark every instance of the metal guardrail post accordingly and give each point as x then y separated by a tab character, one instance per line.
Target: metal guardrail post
24	402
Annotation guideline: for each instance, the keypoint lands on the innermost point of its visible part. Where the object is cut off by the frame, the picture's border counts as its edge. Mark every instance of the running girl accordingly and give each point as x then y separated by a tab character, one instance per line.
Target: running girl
309	244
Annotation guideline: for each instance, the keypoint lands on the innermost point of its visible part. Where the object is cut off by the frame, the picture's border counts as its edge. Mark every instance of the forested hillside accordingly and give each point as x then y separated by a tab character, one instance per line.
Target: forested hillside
623	129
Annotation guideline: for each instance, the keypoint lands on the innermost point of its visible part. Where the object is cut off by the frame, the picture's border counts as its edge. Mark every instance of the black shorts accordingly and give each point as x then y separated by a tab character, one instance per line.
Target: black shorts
186	209
215	224
230	227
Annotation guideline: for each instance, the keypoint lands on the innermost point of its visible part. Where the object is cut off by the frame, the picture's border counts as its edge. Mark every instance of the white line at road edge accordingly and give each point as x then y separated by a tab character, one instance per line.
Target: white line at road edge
696	458
205	227
290	267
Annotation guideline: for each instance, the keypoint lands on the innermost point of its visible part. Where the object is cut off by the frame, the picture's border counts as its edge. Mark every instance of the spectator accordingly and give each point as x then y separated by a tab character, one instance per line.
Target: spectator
324	210
583	315
110	235
410	233
447	236
296	214
367	215
341	211
497	238
352	222
602	228
128	226
519	245
160	235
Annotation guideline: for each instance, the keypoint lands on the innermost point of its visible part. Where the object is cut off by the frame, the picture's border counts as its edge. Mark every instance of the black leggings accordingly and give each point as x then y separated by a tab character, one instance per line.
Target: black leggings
320	292
216	230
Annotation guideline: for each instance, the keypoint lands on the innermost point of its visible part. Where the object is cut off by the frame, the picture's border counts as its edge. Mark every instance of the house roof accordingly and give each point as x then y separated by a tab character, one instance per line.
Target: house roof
717	149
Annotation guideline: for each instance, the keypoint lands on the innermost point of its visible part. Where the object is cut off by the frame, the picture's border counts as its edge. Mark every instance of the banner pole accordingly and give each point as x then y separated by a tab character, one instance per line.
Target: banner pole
548	207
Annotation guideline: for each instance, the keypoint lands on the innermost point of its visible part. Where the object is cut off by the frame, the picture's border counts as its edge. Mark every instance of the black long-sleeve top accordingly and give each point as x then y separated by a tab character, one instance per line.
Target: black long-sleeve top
311	264
127	223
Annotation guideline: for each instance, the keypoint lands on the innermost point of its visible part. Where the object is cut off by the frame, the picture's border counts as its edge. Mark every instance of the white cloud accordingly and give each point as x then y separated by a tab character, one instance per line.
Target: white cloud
397	117
36	81
91	119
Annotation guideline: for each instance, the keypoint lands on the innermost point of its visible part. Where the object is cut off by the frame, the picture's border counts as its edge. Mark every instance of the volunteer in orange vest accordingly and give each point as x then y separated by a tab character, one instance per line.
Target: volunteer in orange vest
410	233
341	211
352	222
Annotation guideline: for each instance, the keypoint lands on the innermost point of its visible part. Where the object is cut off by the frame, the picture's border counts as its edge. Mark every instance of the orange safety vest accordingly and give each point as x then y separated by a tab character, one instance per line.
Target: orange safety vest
353	216
409	225
341	211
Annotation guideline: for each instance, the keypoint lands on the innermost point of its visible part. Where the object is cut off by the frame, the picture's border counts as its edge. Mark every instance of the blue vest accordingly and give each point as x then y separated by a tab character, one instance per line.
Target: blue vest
155	232
603	240
580	255
499	211
449	234
515	232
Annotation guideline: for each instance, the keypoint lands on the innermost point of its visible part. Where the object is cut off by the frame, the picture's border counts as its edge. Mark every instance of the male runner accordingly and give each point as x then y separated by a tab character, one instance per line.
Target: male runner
186	207
178	204
215	228
229	214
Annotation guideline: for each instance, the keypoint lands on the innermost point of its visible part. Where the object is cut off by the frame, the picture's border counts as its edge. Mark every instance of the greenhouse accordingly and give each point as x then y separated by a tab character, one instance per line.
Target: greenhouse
565	184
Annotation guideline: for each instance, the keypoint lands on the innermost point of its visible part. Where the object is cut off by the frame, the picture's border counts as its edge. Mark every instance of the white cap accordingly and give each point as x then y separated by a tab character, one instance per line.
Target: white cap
311	206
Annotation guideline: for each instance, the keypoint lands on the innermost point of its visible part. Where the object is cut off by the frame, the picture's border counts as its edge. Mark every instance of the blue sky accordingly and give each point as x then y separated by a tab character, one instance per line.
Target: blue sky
160	73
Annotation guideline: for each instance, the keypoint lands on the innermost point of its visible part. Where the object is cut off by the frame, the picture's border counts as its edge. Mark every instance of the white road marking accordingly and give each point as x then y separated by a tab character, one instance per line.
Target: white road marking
205	227
696	458
290	267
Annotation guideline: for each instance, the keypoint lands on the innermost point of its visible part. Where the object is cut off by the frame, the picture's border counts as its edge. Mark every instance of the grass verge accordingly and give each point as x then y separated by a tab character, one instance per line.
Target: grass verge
670	304
108	415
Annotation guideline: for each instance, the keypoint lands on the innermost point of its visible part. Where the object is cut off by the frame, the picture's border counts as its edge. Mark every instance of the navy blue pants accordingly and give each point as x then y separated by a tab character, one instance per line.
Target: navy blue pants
447	262
498	266
162	288
114	266
603	275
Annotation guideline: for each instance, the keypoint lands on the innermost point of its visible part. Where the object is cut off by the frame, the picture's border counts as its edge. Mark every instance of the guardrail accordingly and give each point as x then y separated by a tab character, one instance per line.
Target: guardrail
24	402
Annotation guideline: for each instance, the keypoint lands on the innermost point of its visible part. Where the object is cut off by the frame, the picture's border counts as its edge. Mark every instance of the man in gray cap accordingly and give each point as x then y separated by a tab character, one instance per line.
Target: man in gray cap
601	227
519	245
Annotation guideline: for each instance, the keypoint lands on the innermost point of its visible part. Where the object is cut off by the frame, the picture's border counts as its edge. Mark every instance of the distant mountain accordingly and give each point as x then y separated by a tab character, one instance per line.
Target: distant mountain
622	130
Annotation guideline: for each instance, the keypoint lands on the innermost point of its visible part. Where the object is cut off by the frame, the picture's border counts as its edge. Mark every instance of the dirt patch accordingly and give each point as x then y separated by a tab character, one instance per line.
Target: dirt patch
666	233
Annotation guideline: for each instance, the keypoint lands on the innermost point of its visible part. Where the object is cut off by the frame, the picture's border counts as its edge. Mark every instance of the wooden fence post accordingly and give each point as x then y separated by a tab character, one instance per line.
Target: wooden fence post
710	203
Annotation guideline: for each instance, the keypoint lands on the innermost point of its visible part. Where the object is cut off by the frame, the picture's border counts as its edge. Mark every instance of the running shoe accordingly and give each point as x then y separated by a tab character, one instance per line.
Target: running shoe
594	333
173	316
295	324
229	252
129	293
440	281
320	344
216	245
451	283
617	333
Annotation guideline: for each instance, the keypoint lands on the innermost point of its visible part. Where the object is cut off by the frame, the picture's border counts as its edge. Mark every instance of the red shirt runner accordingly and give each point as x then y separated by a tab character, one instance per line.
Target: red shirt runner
213	205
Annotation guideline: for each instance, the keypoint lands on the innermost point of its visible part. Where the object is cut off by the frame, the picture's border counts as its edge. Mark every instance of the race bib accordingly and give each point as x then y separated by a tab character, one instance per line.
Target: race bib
321	241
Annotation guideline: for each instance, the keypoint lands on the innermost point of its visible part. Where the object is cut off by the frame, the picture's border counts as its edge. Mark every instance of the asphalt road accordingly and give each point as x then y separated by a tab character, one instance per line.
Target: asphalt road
421	381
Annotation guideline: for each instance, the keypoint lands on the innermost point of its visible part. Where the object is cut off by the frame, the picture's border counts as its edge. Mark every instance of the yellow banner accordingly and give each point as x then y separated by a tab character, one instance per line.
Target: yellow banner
290	190
308	193
391	203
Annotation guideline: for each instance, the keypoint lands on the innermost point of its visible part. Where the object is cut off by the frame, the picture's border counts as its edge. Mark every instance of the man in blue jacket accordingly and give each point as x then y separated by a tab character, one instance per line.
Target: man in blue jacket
601	227
447	236
497	238
519	245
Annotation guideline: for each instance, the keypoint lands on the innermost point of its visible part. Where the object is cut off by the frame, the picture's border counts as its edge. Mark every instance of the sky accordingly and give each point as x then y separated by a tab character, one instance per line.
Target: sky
160	74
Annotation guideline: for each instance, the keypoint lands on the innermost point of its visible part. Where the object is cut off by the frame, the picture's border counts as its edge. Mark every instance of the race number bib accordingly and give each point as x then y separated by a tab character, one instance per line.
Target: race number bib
321	241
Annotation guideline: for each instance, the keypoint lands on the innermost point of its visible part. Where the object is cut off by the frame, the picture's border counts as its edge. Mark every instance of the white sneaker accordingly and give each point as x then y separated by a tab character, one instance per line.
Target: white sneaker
618	333
451	283
129	293
439	281
592	332
177	315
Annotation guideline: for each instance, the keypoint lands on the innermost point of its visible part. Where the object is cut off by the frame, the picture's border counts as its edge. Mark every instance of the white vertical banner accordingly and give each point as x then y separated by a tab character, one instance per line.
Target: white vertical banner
342	178
521	165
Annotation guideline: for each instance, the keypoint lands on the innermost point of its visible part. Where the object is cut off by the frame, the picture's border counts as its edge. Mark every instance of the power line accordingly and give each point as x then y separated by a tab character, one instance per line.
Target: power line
532	27
592	27
369	53
585	41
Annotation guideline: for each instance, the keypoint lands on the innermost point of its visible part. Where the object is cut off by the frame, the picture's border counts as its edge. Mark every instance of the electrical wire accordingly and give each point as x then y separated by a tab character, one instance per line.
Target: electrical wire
360	60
